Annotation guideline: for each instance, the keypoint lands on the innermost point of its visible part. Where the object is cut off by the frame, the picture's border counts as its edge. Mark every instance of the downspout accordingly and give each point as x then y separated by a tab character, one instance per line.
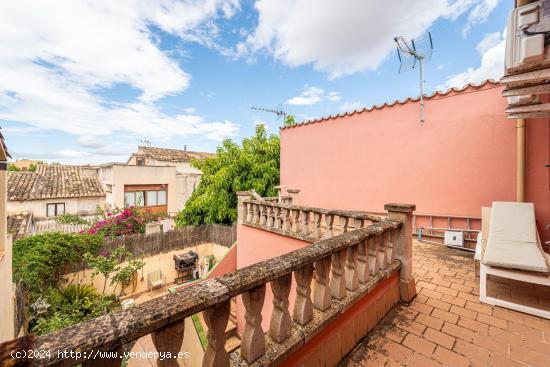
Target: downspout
520	144
520	160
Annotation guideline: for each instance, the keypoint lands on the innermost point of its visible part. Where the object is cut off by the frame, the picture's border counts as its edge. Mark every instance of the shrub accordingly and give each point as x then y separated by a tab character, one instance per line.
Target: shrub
129	221
70	219
41	261
71	305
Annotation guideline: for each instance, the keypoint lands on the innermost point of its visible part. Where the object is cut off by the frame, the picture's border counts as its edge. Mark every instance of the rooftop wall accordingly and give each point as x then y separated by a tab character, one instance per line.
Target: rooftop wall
462	158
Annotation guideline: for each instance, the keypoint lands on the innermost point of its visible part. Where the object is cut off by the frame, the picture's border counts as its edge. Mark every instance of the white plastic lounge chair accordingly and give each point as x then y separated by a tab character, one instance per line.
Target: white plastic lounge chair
512	250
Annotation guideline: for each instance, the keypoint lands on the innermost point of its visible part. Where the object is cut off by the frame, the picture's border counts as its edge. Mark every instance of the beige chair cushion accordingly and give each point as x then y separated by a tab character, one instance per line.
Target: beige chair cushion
512	241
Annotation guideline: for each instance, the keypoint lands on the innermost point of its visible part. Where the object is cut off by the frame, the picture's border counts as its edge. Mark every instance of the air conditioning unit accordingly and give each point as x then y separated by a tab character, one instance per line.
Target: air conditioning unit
526	45
454	238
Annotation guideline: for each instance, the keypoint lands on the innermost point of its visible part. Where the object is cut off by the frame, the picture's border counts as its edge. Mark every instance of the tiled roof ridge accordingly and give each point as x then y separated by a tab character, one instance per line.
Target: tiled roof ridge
53	182
437	93
173	153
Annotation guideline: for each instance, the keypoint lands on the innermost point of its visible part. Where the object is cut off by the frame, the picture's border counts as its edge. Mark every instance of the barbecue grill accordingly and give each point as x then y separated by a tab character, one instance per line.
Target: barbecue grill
185	265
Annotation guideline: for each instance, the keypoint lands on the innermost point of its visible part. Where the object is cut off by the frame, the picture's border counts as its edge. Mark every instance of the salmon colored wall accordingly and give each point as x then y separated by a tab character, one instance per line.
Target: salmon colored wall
227	264
537	183
255	245
462	158
335	341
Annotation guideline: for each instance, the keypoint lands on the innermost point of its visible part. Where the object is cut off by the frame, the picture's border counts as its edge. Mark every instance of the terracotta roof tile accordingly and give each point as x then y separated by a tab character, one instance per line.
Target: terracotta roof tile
53	182
165	154
434	95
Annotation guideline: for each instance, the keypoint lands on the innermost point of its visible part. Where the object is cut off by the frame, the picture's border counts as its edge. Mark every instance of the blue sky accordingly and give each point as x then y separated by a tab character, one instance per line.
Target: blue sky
86	82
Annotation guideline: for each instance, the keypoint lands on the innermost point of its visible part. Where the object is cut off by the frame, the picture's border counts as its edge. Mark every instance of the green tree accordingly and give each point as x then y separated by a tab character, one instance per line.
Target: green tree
253	165
107	265
290	120
32	168
12	167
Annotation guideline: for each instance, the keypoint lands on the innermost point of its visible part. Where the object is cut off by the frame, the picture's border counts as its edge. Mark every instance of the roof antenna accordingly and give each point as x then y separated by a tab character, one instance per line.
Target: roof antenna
413	52
277	111
145	142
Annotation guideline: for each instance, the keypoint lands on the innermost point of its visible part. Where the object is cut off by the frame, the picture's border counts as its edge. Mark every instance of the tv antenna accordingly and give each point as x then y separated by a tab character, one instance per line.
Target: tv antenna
277	111
145	142
415	52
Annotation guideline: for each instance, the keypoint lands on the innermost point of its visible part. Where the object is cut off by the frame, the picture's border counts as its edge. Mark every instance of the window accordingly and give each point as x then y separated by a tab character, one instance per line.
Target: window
108	188
140	161
151	198
134	198
161	197
55	209
155	197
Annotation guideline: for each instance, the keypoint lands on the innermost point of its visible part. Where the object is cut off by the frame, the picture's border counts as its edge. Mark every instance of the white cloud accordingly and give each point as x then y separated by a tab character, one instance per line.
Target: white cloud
348	36
334	96
56	59
350	106
313	95
491	50
480	13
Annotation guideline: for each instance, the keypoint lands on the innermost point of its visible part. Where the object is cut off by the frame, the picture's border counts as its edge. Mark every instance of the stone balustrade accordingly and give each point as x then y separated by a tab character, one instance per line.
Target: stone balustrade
303	222
345	264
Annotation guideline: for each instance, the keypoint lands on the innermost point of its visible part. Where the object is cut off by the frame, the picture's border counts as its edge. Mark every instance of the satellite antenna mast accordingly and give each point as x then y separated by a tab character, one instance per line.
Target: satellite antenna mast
415	52
277	111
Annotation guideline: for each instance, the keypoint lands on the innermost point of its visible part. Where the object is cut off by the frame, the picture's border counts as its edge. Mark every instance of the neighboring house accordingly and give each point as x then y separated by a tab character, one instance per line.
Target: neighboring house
25	164
6	286
152	187
187	176
19	225
54	190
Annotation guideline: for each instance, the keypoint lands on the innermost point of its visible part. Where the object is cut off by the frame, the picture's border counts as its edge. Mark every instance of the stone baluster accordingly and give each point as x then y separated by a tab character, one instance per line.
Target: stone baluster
277	220
363	262
338	279
98	362
280	326
321	294
256	210
329	222
381	251
216	318
352	278
253	341
263	214
295	217
270	216
317	225
304	220
250	212
390	241
344	221
286	219
169	339
373	258
358	223
303	308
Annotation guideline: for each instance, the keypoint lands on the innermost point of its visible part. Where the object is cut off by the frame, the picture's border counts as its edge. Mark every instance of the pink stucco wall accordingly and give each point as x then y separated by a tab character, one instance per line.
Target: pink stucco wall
255	245
227	264
461	158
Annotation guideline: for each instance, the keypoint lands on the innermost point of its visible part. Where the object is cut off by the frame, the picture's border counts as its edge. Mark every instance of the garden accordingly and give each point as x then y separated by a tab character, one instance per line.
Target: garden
41	263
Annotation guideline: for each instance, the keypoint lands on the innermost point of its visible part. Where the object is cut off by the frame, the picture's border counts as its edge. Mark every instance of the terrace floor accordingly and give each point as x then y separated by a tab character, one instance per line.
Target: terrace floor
446	325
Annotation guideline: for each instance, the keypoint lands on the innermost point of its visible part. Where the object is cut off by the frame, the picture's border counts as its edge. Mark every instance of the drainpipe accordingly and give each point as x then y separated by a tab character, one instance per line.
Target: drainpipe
520	158
520	144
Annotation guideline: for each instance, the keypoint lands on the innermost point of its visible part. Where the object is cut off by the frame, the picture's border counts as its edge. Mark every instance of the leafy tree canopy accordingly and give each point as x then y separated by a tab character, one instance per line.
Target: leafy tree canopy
12	167
253	165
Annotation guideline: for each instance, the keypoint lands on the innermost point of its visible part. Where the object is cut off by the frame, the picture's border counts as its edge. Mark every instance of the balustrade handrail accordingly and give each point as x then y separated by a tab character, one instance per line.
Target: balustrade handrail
110	332
343	213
